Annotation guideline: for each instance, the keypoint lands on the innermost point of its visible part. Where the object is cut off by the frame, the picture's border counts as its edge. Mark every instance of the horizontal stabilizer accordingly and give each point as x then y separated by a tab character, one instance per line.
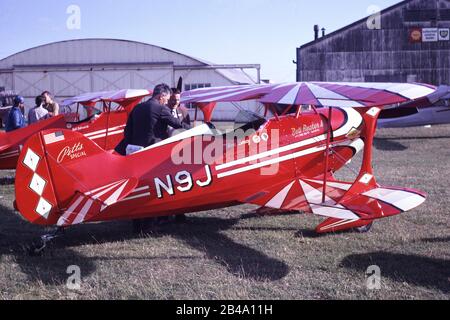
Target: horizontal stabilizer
5	143
5	147
86	206
359	210
335	225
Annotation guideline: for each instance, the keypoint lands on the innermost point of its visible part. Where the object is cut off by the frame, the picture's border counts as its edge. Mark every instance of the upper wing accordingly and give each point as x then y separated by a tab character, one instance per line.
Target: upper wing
225	94
330	94
114	96
442	93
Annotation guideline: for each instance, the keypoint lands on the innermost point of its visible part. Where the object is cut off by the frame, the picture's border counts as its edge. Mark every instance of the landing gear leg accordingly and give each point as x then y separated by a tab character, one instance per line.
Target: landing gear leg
37	249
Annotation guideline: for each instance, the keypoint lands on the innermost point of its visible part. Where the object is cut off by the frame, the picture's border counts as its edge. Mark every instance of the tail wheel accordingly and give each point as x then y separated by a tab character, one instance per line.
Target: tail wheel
364	229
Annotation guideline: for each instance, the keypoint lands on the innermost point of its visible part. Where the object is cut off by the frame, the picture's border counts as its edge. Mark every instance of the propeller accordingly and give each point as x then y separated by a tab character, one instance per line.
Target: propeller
180	84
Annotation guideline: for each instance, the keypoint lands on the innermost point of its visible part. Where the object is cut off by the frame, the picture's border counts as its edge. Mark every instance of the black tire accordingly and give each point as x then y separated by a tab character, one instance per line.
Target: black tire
180	219
35	249
137	226
364	229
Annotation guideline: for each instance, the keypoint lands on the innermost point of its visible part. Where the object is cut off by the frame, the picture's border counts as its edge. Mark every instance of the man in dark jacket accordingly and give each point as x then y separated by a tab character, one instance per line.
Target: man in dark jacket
16	120
149	121
148	124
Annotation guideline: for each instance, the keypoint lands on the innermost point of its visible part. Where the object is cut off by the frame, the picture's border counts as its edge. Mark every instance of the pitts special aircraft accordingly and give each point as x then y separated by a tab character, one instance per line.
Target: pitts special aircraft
105	129
64	179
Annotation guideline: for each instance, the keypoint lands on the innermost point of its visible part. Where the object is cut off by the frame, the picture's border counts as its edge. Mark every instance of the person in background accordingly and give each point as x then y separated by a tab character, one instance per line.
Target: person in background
178	111
38	113
51	105
3	114
16	120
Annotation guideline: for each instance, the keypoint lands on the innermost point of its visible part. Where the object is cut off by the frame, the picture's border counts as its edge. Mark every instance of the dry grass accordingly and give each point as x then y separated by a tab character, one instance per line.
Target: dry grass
229	254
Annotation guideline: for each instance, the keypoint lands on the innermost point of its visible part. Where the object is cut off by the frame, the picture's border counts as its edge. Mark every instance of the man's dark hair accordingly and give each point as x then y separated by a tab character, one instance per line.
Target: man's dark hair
161	89
39	100
46	92
176	91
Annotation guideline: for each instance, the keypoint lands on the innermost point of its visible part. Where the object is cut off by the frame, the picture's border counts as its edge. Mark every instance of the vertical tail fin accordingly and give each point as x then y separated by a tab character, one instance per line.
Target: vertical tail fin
60	171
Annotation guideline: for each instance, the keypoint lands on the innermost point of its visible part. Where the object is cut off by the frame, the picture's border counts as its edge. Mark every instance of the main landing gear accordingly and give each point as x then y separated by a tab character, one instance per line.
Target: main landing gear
38	248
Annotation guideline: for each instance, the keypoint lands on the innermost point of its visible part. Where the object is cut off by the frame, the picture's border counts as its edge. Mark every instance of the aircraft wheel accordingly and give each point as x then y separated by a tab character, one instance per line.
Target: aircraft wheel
36	249
364	229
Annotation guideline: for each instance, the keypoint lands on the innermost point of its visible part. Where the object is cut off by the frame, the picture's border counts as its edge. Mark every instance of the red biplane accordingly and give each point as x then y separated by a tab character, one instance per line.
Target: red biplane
104	127
286	162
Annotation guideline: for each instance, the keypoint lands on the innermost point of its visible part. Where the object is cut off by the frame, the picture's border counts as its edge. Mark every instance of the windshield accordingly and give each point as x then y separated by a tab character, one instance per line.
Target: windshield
75	113
246	120
245	124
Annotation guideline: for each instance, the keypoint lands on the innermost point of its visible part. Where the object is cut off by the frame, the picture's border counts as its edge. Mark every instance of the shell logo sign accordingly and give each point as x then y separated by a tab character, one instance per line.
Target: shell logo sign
415	35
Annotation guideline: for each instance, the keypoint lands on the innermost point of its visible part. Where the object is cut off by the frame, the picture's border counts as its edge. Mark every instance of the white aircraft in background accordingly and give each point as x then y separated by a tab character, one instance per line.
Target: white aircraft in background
431	110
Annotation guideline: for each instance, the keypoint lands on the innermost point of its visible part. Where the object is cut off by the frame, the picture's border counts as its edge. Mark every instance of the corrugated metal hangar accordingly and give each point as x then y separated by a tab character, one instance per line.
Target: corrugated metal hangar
69	68
411	44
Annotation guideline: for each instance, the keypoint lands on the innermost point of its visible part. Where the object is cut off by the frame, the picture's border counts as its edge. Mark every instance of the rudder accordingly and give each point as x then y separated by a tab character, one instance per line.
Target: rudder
57	165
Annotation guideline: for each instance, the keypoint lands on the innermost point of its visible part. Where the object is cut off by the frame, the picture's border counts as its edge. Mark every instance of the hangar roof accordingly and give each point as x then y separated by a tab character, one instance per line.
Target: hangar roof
110	51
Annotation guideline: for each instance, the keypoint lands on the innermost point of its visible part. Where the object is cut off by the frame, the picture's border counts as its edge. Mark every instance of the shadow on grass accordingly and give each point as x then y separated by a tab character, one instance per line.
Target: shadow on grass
435	240
310	234
422	271
386	144
253	215
50	269
202	234
205	235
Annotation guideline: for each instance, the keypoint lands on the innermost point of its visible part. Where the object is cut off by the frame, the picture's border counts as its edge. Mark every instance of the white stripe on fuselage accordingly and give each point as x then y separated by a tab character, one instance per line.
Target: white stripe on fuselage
272	162
354	121
9	155
290	156
112	133
104	131
147	194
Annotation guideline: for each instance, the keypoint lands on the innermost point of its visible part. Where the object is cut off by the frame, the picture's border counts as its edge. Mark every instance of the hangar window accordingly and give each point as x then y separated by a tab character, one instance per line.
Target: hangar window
420	15
445	14
194	86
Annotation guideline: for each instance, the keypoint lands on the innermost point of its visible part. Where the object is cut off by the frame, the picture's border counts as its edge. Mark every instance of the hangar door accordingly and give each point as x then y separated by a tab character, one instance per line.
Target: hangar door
31	83
6	80
72	82
103	80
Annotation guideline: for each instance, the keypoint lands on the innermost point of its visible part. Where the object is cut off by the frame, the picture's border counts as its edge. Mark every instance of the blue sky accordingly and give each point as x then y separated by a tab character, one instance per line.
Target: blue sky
221	31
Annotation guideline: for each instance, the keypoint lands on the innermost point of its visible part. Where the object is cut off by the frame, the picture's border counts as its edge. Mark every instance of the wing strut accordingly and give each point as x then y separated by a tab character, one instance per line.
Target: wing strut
107	108
327	154
366	180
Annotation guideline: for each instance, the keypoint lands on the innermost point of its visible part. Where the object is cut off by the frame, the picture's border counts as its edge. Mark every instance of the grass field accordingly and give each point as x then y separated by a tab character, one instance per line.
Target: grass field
232	254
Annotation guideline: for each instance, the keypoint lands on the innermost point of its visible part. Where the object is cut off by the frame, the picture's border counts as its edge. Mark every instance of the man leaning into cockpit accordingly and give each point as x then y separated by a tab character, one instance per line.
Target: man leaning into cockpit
149	121
148	124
